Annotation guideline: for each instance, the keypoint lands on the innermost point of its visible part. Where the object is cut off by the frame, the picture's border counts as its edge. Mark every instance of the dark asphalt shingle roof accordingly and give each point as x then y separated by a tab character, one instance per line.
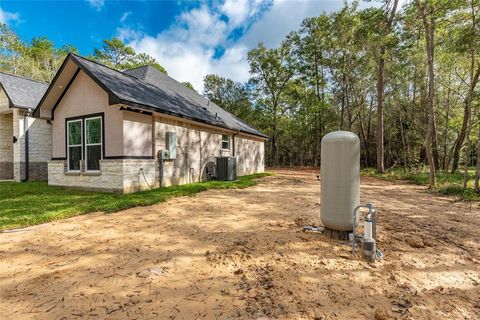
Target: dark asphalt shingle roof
146	86
22	92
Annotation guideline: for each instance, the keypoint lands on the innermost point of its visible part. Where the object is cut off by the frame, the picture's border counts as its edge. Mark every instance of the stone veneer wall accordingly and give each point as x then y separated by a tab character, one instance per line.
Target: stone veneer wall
115	176
109	179
135	179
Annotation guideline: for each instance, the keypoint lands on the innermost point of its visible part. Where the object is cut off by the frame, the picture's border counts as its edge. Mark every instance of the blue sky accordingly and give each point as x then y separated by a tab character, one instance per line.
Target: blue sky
189	38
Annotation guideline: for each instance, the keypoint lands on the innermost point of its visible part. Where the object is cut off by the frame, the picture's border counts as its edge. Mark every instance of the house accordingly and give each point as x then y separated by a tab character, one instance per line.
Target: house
25	142
132	130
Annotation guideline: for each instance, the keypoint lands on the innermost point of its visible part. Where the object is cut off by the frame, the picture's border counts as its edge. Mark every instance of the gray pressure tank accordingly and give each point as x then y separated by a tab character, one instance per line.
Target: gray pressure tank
340	180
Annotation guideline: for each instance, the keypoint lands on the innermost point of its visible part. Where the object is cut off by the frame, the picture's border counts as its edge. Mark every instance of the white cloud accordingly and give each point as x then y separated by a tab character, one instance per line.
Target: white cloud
187	48
283	17
97	4
125	15
6	16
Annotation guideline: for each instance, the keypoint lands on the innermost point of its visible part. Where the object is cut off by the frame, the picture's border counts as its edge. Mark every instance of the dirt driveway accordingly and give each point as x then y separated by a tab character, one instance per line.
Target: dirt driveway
241	254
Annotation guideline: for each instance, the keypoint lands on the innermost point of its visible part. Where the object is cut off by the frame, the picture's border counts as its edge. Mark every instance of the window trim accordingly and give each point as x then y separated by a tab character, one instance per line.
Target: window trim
82	118
228	140
67	134
86	144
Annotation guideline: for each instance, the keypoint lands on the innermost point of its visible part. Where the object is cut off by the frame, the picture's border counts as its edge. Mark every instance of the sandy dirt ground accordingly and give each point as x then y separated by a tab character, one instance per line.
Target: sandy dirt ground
241	254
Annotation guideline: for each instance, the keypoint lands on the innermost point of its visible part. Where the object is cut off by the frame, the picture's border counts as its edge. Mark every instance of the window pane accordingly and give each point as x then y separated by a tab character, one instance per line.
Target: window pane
94	127
225	141
74	157
74	132
94	154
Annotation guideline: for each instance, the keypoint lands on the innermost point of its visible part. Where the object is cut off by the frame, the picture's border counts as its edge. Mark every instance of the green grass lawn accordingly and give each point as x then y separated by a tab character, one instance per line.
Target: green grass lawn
446	183
30	203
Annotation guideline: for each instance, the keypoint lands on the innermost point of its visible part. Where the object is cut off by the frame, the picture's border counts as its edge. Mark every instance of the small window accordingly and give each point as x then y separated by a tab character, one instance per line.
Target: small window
93	143
74	132
225	141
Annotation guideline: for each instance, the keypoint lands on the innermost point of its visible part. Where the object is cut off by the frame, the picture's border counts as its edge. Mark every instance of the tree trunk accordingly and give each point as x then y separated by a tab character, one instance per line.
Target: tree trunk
477	167
446	131
380	88
468	159
461	137
474	78
380	145
430	50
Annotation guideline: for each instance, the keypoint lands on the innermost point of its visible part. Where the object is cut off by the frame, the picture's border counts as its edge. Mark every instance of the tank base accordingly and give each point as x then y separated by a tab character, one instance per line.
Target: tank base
335	234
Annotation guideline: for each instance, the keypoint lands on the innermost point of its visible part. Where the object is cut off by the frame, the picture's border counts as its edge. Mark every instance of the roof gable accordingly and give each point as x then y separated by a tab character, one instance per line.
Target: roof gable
146	88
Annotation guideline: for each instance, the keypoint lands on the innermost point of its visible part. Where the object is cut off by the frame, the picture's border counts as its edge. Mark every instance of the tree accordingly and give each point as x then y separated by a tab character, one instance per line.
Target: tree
188	85
271	72
427	15
230	95
466	41
143	59
39	59
380	86
114	53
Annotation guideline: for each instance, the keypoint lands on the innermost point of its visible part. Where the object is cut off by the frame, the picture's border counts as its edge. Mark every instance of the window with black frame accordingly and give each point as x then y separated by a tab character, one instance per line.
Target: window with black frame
93	143
74	148
84	142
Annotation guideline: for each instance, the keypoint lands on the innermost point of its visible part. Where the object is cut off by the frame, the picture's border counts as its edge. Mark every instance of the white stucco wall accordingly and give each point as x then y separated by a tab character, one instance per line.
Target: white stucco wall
82	98
137	134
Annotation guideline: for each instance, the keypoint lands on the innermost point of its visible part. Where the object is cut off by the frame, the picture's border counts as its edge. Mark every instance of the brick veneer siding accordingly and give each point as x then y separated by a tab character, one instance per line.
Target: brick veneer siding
6	146
39	147
6	170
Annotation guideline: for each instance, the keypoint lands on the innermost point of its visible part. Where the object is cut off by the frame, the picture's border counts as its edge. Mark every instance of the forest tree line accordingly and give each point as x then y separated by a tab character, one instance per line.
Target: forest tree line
404	79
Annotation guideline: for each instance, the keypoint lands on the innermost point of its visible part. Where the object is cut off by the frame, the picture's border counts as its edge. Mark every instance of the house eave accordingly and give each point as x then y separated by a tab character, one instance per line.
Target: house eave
136	105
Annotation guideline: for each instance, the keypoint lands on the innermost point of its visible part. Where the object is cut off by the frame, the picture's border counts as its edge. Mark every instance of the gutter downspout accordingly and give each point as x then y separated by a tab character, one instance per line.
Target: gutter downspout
25	132
234	151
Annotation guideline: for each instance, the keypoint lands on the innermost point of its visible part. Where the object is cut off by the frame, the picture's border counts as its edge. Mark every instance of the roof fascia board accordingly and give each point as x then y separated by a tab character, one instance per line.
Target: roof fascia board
36	113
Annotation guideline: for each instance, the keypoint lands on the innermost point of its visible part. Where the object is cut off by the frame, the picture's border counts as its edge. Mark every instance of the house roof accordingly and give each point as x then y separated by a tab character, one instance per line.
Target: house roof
173	87
22	92
146	88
